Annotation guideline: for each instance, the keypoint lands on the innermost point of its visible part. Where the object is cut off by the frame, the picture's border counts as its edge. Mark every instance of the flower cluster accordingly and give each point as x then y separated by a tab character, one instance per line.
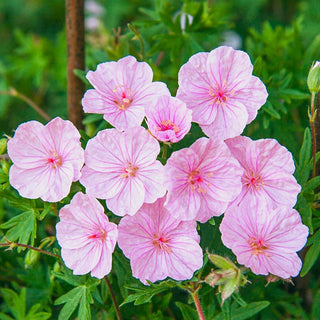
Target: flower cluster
250	182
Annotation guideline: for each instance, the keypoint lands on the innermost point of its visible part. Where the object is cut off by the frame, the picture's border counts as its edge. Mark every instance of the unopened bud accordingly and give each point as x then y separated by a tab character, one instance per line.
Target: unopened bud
3	145
229	277
273	278
31	258
313	80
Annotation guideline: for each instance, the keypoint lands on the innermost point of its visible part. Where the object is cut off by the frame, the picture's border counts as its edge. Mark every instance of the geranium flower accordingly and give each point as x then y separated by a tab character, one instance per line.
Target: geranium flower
122	91
264	239
169	119
221	91
121	167
46	159
159	245
86	236
268	171
201	180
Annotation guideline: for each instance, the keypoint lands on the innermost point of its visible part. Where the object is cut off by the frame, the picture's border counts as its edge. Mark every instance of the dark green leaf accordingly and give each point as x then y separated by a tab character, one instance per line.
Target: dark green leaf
246	312
312	254
188	313
268	107
305	210
305	151
311	184
144	295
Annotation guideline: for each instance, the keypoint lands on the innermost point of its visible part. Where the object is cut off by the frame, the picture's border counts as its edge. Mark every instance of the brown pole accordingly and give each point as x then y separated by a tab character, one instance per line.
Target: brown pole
75	59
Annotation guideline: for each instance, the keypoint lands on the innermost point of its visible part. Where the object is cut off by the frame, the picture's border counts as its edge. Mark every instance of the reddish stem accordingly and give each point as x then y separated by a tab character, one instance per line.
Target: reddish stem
113	297
13	244
75	59
198	305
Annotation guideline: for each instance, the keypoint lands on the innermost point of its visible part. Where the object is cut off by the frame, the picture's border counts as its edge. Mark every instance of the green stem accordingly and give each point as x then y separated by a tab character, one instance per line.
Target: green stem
113	298
164	151
138	36
312	117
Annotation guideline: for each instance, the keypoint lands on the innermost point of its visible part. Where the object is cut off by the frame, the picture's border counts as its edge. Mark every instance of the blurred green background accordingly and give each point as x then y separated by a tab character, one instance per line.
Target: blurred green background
281	37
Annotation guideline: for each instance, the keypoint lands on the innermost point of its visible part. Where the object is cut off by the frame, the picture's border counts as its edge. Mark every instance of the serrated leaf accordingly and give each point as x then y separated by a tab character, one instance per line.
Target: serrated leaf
22	227
188	313
71	300
312	254
305	151
33	313
144	295
246	312
15	302
84	308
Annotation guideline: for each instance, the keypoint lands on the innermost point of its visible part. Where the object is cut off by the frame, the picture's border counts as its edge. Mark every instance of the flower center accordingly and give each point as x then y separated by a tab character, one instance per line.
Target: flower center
129	171
195	181
257	246
252	180
161	243
123	99
54	159
219	95
168	125
99	235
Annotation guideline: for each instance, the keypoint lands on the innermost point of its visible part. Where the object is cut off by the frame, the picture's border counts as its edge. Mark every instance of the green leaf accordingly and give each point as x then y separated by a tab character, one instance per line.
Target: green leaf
295	94
144	295
81	74
33	313
246	312
188	313
312	254
3	316
22	228
47	207
84	309
312	184
305	210
305	151
16	303
71	300
268	107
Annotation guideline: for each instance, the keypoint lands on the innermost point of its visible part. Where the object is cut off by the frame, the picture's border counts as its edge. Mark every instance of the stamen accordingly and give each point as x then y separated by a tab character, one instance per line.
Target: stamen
129	171
257	245
168	125
54	159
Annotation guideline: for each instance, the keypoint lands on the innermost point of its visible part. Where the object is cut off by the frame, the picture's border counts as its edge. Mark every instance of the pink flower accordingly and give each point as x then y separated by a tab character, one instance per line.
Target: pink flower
201	180
221	91
158	245
86	236
46	159
122	91
121	167
169	119
265	239
268	171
